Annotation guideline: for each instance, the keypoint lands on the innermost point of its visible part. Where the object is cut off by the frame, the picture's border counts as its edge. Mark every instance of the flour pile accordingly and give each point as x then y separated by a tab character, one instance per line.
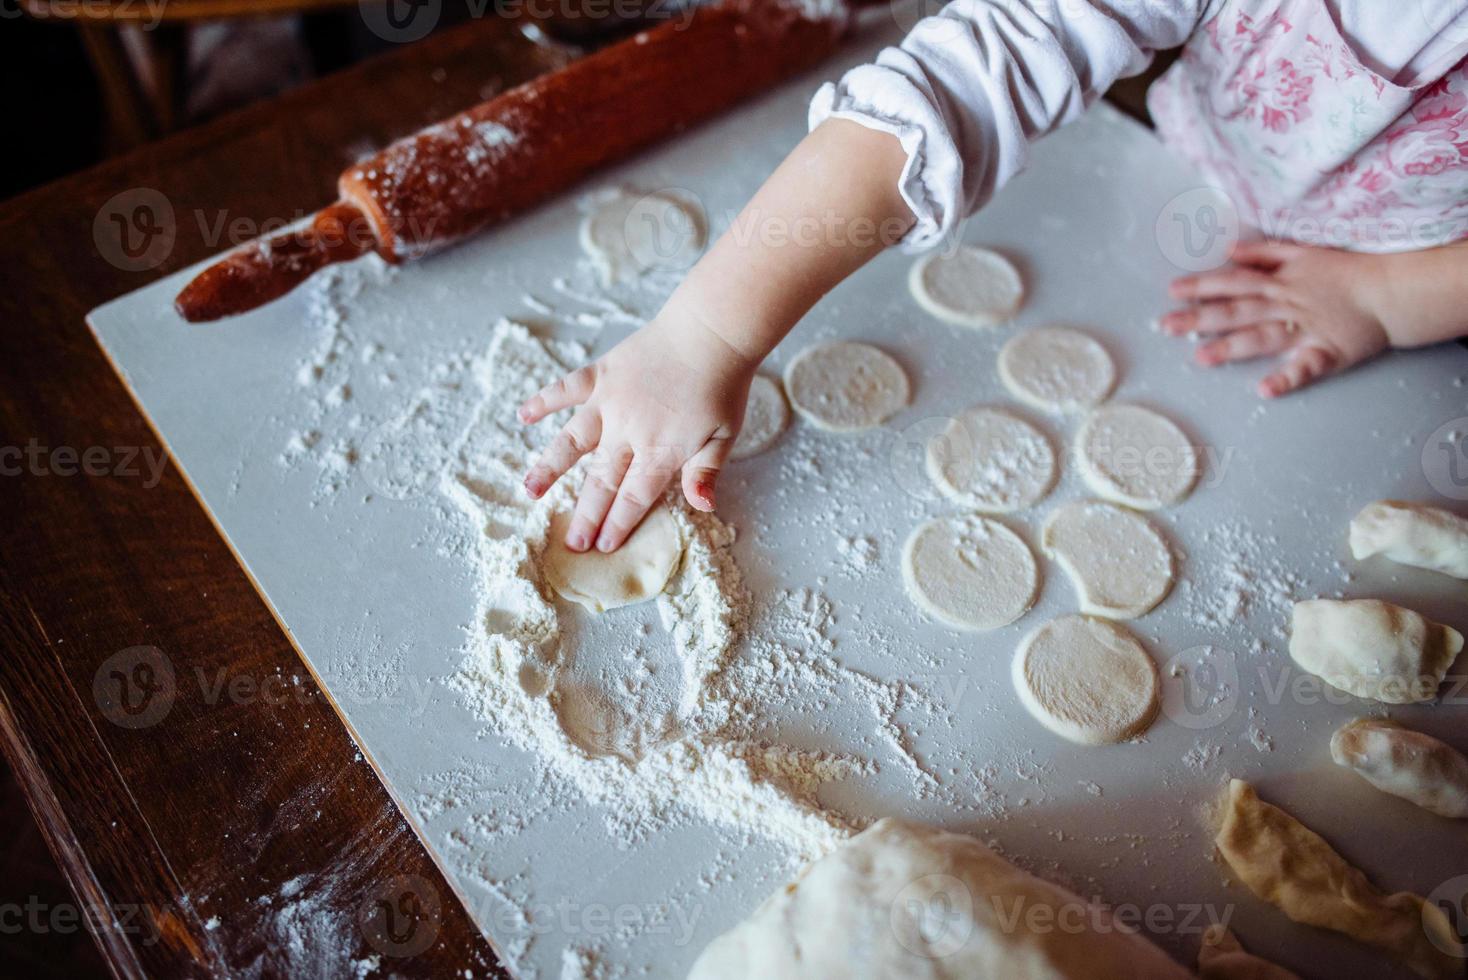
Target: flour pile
697	759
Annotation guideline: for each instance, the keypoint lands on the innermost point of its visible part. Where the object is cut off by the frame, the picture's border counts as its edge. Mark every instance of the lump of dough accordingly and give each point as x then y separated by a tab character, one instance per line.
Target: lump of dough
991	460
1134	456
1412	534
1087	680
1372	649
1056	369
1290	866
902	901
766	415
1404	763
969	572
1222	957
635	572
971	287
1118	561
626	234
846	386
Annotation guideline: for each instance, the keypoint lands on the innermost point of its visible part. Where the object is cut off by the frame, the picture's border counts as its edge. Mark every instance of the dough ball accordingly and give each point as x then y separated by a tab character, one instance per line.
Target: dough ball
1135	456
1117	560
1056	369
1290	866
991	460
1404	763
845	386
626	234
972	287
1372	649
1087	680
902	901
969	572
766	415
1412	534
635	572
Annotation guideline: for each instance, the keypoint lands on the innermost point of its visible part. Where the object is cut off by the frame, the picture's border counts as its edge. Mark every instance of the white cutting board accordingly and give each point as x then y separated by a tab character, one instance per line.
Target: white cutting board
347	556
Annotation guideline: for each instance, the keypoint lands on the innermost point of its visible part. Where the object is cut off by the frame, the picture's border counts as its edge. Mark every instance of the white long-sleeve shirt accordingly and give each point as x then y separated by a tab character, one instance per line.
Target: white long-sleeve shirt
969	89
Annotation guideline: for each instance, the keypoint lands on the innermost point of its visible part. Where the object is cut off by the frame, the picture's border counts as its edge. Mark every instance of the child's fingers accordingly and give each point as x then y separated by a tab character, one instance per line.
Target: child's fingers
1307	364
645	482
597	493
573	389
577	438
1222	314
1230	282
1259	340
1263	253
702	471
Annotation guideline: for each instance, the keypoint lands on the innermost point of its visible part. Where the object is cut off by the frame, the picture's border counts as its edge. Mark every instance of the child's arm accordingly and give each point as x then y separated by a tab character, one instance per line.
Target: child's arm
671	396
1323	309
904	148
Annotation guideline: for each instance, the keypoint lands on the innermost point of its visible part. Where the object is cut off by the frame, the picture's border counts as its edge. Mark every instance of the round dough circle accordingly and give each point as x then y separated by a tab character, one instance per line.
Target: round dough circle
626	234
1117	560
1056	369
969	572
765	416
846	386
1134	456
1087	680
971	287
992	460
635	572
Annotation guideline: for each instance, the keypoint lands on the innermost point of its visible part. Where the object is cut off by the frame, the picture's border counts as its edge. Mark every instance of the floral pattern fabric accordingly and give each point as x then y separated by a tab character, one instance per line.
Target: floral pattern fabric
1310	144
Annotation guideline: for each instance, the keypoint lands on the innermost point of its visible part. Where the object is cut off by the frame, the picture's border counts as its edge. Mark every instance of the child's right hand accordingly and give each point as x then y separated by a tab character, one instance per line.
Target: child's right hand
668	399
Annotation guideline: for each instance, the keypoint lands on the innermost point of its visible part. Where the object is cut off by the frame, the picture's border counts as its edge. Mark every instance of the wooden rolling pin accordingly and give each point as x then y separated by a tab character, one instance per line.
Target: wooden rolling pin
507	155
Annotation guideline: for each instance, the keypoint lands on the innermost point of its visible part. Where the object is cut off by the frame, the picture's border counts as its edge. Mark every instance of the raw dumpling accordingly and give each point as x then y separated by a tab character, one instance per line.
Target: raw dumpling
635	572
1290	866
1373	649
845	386
1412	534
969	287
1404	763
902	901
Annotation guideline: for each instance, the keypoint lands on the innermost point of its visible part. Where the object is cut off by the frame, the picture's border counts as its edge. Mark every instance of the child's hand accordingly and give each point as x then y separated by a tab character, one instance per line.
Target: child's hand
668	398
1318	307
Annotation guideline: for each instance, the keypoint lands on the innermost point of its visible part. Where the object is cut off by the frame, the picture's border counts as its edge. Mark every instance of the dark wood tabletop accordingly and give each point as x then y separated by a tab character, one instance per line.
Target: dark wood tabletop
218	821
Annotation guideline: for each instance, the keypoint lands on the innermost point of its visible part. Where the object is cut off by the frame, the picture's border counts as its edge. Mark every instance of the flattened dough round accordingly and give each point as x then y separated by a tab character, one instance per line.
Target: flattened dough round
1087	680
846	386
1117	560
969	572
992	460
972	287
1135	456
1056	369
635	572
626	234
765	416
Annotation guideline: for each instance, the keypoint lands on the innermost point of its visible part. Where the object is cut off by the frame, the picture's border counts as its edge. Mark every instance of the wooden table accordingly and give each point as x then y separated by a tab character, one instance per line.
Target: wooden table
225	820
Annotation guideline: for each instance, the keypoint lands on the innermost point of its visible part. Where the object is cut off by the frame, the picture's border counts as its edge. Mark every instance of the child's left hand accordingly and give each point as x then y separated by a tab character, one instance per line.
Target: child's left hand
1316	307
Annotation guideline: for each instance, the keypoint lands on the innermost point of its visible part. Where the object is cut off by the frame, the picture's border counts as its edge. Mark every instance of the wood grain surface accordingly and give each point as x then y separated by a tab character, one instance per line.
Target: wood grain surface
217	821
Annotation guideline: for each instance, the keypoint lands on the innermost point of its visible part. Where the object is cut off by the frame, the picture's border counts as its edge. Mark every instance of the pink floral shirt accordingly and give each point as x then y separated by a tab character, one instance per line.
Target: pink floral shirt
1312	145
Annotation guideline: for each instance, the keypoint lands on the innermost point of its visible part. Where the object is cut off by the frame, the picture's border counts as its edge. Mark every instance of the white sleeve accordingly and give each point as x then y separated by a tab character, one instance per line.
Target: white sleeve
969	88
